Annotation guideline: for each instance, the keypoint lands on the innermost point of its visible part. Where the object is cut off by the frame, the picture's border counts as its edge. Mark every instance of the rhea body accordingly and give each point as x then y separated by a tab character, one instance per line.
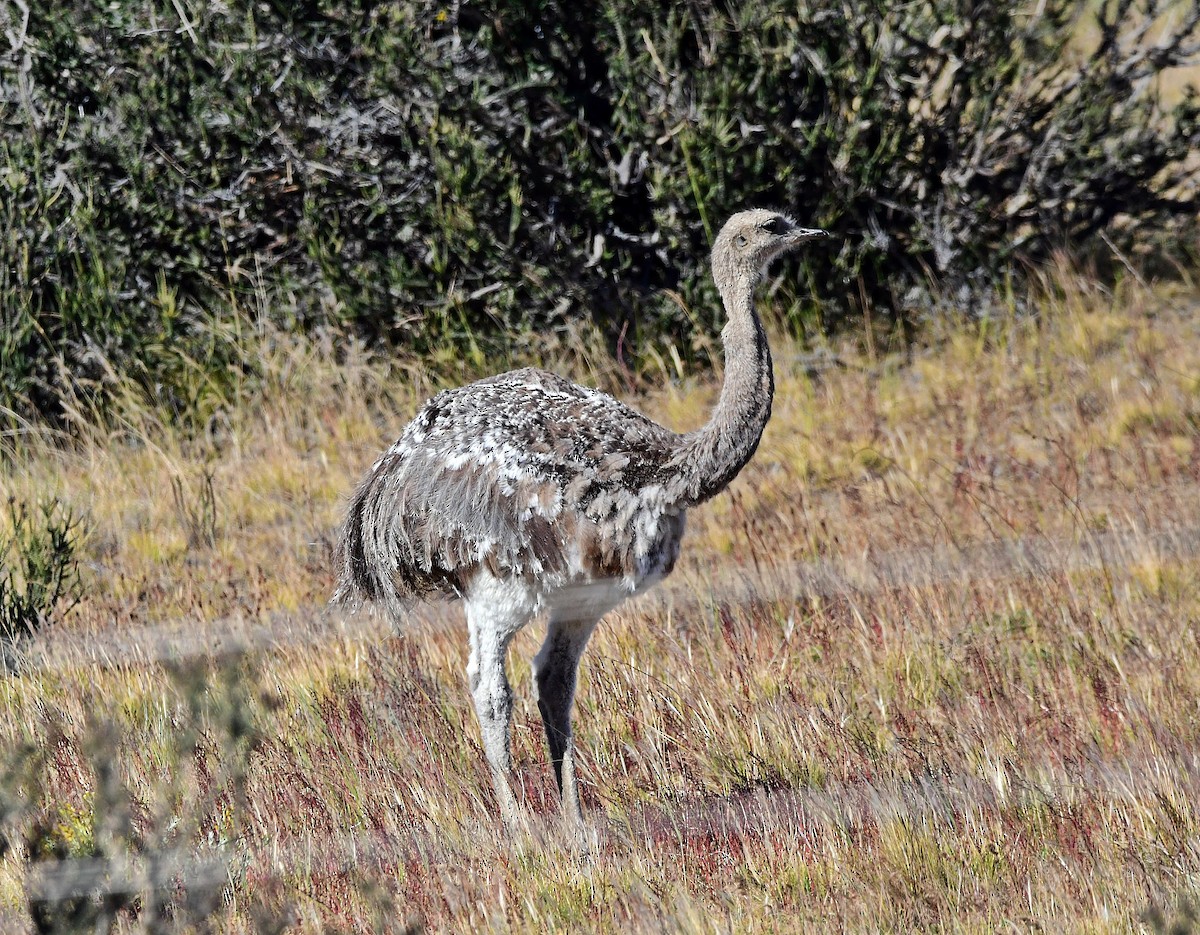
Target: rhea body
525	494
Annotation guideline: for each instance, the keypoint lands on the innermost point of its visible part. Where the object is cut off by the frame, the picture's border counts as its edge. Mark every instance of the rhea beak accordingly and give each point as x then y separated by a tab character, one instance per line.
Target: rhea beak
801	234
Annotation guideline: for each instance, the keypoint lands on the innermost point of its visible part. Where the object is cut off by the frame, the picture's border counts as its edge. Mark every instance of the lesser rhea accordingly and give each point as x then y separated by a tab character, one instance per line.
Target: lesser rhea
525	494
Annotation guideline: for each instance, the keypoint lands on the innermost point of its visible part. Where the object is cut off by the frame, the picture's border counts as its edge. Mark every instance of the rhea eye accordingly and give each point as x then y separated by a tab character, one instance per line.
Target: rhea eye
773	226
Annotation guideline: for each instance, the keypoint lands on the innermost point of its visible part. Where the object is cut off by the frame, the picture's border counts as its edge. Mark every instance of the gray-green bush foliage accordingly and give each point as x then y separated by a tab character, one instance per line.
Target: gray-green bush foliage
435	174
39	571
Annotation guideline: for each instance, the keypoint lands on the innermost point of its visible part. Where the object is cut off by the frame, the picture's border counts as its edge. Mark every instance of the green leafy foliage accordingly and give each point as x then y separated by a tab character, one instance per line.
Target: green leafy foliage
439	178
39	572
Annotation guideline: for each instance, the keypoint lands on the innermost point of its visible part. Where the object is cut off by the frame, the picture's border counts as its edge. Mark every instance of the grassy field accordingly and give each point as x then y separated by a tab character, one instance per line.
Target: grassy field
931	664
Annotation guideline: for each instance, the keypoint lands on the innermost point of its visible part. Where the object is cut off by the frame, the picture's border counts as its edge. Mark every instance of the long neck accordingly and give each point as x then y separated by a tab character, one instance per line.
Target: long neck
709	458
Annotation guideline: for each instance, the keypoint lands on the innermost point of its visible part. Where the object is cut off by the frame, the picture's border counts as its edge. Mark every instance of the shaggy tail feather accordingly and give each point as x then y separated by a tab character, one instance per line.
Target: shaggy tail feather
368	575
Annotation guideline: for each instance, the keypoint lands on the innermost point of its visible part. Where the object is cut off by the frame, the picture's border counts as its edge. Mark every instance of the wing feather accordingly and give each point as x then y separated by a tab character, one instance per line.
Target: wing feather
524	473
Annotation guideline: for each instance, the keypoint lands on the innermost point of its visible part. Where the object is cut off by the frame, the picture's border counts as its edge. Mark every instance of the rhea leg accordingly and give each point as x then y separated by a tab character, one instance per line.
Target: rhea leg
555	668
491	629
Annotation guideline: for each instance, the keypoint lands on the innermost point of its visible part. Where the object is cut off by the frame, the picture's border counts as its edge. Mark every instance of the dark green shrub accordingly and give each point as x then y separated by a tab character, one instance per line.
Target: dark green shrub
39	572
942	140
442	177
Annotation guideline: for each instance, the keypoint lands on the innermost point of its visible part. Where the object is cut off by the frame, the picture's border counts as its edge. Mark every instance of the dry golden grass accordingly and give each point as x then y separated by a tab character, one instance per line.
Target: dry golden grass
932	663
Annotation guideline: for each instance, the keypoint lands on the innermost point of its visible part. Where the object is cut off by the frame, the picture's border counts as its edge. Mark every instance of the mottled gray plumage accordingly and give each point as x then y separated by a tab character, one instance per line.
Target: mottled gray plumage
525	493
524	474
